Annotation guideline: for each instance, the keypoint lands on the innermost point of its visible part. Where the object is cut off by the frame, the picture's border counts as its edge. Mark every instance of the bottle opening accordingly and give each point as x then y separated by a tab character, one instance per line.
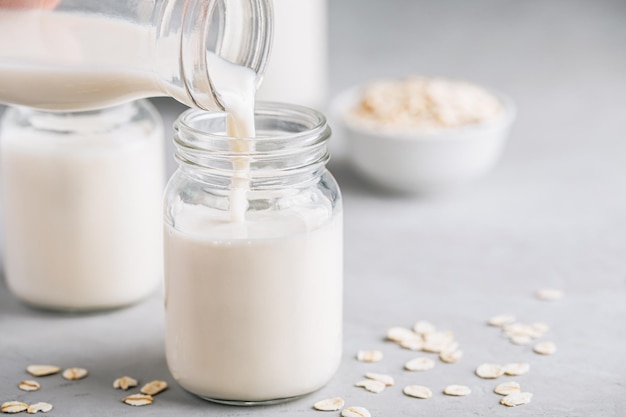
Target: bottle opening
218	36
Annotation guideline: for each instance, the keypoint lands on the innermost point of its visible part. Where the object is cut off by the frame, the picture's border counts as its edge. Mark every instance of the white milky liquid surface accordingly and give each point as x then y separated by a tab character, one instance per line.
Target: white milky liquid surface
253	319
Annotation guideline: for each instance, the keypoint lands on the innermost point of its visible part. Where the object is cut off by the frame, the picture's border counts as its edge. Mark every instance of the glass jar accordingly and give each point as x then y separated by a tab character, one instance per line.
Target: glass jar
85	54
253	306
298	70
82	198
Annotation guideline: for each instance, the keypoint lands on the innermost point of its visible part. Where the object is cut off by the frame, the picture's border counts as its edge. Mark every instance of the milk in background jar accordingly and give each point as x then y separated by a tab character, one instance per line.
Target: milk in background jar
253	257
81	195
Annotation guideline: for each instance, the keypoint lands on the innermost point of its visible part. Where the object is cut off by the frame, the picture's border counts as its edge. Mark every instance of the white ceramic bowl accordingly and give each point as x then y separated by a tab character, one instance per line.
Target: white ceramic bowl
416	163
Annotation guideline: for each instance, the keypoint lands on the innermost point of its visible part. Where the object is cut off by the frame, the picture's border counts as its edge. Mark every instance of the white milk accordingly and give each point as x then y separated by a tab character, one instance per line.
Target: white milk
237	86
82	213
253	319
61	49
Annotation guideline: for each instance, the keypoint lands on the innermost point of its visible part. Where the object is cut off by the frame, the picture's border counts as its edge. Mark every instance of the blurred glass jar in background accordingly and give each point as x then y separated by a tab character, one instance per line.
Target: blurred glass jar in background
81	195
297	71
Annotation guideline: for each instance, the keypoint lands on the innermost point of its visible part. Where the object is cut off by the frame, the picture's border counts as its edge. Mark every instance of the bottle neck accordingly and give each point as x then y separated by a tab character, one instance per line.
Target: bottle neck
197	39
290	148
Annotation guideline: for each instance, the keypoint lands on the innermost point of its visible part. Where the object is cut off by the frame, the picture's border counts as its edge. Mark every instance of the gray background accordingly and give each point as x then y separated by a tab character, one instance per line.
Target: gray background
552	214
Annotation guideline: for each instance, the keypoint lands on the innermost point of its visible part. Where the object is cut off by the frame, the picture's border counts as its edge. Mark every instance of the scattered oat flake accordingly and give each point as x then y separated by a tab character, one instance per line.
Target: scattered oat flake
518	329
424	327
501	319
507	388
549	294
73	374
413	344
42	370
545	348
400	334
329	404
516	398
539	329
422	363
417	391
451	356
39	407
439	341
125	382
154	387
457	390
385	379
516	369
521	339
355	412
444	336
439	345
137	400
12	407
371	385
369	355
489	371
29	385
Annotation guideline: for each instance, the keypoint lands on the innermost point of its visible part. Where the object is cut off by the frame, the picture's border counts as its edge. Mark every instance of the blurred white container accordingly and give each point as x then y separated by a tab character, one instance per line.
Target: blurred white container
297	71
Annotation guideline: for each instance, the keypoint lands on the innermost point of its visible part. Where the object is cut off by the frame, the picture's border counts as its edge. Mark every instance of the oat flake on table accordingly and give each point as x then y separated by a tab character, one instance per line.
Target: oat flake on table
545	348
369	355
13	407
39	407
42	370
489	371
457	390
355	412
421	363
385	379
507	388
516	368
549	294
329	404
29	385
516	398
418	391
371	385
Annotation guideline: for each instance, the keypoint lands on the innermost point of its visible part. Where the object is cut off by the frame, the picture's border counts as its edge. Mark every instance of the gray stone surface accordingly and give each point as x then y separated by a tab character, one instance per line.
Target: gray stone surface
552	214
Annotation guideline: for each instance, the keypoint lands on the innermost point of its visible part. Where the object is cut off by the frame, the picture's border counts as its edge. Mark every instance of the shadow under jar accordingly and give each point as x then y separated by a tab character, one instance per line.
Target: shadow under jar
253	302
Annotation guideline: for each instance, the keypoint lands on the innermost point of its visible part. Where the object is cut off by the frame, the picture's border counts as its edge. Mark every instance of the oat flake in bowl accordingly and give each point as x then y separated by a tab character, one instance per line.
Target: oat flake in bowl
425	104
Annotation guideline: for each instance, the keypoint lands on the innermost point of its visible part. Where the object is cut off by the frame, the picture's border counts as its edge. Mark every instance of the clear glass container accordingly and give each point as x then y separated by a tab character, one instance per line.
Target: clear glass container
81	199
253	306
298	70
85	54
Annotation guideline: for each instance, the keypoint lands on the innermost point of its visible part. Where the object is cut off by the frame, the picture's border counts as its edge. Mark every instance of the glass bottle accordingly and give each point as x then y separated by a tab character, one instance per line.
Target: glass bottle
81	199
85	54
253	307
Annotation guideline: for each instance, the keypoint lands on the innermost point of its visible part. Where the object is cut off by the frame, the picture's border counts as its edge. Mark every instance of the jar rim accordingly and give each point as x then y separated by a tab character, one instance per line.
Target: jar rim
314	128
85	121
